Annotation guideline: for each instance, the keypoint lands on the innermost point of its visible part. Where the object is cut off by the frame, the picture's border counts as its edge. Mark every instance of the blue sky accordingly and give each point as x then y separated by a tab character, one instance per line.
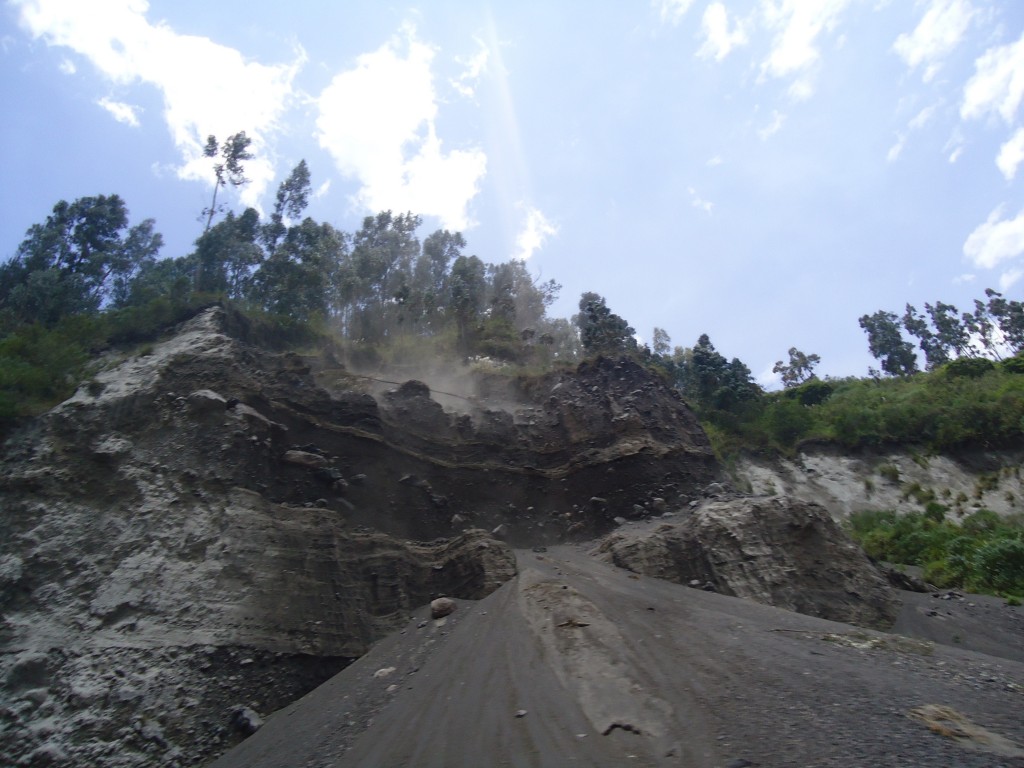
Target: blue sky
764	171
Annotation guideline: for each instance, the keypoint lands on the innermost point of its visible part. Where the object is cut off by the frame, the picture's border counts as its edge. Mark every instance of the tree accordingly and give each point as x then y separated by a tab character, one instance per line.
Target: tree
602	331
886	344
226	255
233	152
292	199
467	285
83	256
935	352
799	369
661	342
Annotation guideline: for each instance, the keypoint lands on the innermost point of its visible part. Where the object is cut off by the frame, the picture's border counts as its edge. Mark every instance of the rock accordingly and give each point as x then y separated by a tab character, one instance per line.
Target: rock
204	401
500	532
521	713
442	607
304	459
779	551
245	720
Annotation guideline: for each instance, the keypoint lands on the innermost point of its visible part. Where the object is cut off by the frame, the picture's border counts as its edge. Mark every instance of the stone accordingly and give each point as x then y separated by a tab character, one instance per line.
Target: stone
304	459
246	720
442	607
779	551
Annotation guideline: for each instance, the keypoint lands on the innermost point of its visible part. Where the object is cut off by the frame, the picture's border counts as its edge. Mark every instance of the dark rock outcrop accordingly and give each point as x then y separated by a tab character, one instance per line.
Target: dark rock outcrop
778	551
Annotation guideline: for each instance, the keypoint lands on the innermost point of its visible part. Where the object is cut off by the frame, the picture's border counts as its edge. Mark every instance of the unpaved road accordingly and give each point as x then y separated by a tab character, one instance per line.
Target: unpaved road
578	663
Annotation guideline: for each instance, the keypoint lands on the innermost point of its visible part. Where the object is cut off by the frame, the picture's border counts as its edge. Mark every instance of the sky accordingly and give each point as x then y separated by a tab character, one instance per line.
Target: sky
765	172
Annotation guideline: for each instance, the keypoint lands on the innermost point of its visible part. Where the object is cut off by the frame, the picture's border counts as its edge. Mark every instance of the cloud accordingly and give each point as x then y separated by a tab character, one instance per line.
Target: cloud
896	149
718	40
940	30
474	67
1011	155
967	277
997	84
123	113
67	67
322	190
714	161
698	203
919	121
671	11
996	241
1009	278
397	156
207	88
773	127
535	232
797	26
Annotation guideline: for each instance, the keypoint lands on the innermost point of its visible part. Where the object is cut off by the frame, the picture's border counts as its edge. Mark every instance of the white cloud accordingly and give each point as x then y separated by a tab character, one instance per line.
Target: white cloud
123	113
1011	155
997	84
922	118
322	190
996	241
940	30
116	37
397	156
896	149
1009	278
773	127
671	11
955	154
797	25
698	203
535	232
473	67
67	67
967	277
714	161
718	40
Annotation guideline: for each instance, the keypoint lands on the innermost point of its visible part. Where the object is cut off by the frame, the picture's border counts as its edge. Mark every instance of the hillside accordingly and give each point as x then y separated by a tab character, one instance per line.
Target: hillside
210	527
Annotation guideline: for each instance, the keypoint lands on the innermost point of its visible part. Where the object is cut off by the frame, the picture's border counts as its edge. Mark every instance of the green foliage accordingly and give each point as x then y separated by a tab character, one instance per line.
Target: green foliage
971	367
1013	365
799	370
983	554
601	330
812	392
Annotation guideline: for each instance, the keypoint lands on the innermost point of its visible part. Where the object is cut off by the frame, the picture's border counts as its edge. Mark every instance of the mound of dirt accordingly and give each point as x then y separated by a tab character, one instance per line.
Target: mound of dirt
576	662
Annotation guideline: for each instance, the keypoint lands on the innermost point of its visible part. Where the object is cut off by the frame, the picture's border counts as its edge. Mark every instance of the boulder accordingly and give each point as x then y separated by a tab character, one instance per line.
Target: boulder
782	552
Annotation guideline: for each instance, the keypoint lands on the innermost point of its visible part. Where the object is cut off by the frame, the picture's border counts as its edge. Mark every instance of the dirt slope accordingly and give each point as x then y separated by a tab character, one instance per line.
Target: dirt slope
576	662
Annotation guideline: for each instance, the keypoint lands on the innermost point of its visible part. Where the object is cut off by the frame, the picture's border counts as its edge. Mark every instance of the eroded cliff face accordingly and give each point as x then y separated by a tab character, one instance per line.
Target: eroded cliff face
203	533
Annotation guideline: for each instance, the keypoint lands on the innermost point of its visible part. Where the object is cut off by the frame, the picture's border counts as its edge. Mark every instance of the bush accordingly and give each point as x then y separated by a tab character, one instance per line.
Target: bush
971	367
1014	364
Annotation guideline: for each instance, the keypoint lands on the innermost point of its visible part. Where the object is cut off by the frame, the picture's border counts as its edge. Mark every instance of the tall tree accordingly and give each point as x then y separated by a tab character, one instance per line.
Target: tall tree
935	352
292	199
76	260
887	345
799	369
661	342
233	152
601	330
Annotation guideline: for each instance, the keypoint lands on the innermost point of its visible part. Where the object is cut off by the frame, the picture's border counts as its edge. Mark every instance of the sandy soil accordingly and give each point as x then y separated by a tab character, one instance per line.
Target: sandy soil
578	663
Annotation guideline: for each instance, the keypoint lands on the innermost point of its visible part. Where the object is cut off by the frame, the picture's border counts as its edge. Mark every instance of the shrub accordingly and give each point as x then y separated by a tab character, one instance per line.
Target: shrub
971	367
1014	364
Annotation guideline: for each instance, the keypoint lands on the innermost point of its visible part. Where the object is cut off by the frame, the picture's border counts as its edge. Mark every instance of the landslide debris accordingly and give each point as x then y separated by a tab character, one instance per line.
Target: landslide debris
778	551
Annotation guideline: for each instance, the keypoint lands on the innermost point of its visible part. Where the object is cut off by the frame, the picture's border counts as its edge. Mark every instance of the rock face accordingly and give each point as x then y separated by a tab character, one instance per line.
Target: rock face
216	527
782	552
